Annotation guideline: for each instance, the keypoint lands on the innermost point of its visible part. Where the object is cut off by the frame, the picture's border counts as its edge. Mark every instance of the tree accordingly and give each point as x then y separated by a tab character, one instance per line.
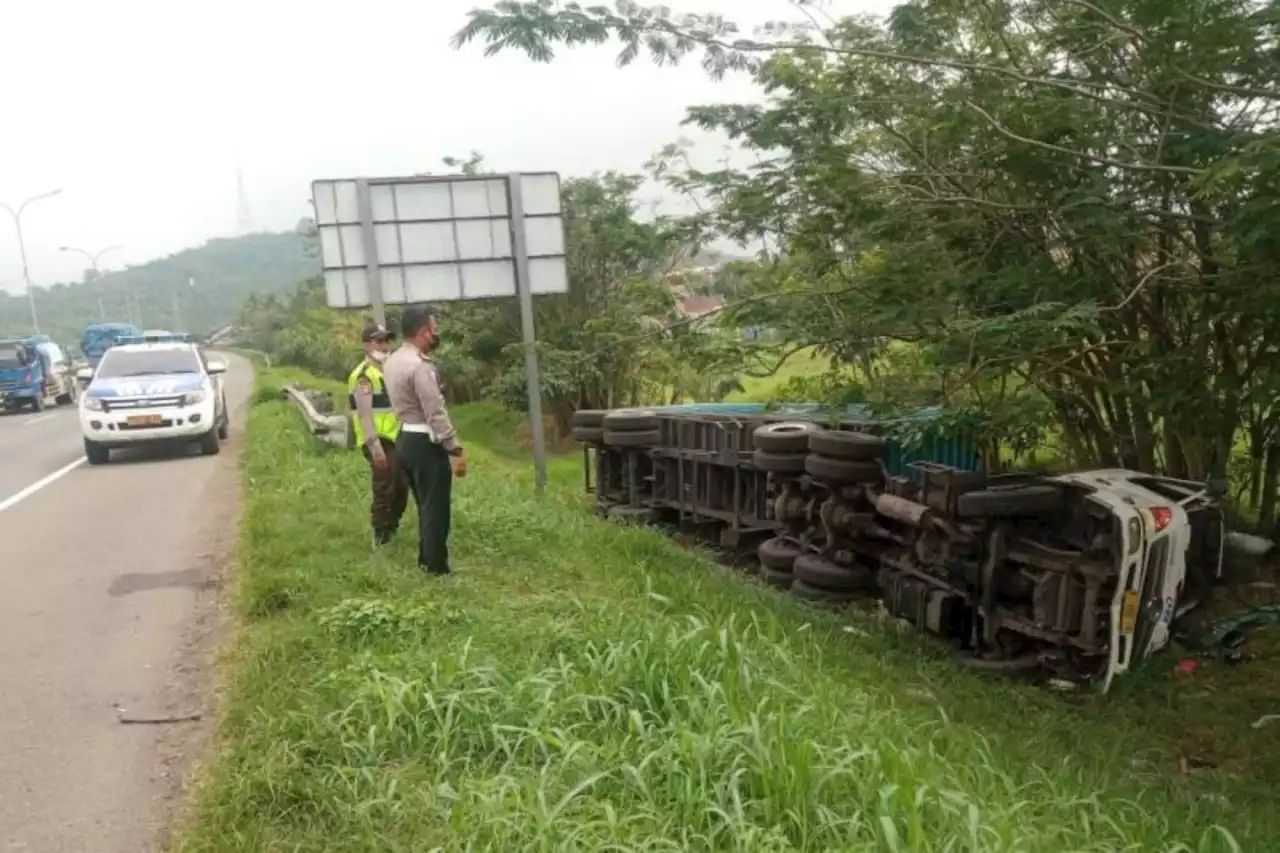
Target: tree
1061	206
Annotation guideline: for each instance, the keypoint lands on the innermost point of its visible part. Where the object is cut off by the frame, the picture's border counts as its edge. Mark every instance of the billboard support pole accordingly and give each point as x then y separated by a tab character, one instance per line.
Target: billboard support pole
520	259
373	275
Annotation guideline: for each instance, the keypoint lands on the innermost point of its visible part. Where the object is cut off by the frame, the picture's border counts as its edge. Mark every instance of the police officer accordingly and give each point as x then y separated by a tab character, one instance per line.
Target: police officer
377	429
428	449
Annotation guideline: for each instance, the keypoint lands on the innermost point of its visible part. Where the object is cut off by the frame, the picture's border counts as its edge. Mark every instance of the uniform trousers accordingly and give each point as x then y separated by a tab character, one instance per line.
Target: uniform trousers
390	492
427	468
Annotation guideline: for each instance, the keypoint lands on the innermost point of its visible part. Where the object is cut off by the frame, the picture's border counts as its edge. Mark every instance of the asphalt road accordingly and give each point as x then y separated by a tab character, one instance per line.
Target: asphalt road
105	591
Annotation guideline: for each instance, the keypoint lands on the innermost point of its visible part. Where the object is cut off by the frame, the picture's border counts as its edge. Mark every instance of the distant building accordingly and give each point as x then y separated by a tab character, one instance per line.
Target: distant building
693	307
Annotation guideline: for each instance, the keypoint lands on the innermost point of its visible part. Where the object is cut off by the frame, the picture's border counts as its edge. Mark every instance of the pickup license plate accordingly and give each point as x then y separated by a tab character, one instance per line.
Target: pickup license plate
1129	611
144	420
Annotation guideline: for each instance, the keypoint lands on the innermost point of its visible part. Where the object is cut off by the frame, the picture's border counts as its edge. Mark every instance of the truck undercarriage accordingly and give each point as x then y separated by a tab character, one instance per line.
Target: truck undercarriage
1072	577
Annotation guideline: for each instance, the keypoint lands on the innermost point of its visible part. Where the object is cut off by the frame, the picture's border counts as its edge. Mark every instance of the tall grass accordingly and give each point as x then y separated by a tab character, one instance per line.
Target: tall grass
579	686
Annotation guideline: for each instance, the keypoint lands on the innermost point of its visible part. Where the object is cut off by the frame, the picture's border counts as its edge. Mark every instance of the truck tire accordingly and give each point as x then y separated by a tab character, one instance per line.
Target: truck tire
785	437
38	403
591	418
638	515
1012	501
224	430
842	470
629	420
66	399
816	595
778	554
843	444
636	438
817	573
778	463
96	453
209	444
782	580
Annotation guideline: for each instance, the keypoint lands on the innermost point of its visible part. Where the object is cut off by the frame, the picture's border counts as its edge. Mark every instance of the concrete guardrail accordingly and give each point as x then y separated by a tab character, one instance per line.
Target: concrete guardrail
331	428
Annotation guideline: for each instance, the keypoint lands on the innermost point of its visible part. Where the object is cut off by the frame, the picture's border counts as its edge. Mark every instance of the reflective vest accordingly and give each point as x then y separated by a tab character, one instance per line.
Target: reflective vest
385	422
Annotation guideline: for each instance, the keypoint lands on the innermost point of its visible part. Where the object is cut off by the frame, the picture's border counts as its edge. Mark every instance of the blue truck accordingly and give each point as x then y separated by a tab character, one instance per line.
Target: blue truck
34	372
100	337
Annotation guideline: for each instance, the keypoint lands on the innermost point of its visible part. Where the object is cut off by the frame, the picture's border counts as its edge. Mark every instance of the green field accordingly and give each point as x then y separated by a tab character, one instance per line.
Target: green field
580	686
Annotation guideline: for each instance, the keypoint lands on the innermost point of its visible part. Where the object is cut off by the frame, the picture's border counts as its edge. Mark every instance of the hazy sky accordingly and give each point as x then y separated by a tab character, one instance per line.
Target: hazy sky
141	110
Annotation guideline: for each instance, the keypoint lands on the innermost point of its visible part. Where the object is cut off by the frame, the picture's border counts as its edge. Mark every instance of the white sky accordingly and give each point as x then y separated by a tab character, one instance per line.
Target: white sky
140	110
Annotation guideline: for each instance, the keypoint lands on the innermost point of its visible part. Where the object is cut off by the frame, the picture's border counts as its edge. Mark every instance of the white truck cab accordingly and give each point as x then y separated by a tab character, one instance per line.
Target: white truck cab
153	392
1170	553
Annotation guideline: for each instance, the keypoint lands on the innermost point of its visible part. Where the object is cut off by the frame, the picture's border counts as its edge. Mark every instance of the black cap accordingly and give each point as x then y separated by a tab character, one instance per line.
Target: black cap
375	332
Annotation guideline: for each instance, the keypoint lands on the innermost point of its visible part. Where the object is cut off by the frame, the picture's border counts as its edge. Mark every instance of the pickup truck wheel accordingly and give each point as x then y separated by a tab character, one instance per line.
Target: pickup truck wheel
96	453
66	399
209	444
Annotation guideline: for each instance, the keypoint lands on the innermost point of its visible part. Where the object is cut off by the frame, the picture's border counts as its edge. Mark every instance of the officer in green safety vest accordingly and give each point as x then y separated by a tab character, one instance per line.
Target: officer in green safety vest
376	429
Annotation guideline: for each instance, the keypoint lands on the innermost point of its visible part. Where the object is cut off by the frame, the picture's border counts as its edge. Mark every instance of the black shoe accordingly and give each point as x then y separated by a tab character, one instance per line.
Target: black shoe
426	571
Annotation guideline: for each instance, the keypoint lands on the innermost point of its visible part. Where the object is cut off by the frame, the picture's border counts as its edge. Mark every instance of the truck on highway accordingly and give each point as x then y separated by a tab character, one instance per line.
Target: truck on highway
100	337
34	372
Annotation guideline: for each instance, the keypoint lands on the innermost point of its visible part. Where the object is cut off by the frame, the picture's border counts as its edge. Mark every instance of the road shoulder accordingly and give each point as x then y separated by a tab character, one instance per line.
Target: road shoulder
194	678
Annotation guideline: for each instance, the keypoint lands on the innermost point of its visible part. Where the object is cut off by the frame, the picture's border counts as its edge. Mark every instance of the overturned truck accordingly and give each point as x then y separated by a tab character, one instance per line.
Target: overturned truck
1075	577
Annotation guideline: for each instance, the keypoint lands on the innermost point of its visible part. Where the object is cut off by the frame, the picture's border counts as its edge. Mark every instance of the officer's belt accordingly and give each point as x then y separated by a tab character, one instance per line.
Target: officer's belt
421	429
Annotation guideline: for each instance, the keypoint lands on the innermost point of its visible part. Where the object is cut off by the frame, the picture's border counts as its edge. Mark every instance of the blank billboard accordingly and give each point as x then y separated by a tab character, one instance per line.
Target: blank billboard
439	239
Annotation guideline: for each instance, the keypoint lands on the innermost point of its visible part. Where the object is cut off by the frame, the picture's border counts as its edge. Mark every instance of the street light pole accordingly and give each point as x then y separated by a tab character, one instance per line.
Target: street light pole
97	273
22	252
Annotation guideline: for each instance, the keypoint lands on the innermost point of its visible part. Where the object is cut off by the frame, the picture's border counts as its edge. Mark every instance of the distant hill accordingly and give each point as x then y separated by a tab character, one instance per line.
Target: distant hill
226	273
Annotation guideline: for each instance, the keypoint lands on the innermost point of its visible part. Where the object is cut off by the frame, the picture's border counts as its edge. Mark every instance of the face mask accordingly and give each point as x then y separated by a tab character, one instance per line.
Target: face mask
378	356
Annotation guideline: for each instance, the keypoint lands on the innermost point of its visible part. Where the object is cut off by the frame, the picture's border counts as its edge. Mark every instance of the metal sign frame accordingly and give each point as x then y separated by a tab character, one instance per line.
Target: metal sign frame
553	276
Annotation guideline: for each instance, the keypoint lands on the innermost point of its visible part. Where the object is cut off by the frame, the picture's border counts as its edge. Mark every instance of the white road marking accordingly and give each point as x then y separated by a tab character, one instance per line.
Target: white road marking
39	418
13	500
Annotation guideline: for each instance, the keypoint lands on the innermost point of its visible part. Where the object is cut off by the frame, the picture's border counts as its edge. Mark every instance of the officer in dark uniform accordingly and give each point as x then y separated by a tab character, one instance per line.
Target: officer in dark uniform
377	430
428	448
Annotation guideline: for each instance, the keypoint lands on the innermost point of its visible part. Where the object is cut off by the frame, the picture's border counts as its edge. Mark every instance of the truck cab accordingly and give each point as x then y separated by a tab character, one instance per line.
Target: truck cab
100	337
34	373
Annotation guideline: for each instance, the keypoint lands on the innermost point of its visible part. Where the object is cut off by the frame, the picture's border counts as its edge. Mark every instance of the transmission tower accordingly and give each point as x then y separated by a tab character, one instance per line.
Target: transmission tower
244	219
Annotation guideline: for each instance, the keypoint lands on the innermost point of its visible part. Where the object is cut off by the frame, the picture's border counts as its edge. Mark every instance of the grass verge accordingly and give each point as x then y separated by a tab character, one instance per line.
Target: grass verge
579	686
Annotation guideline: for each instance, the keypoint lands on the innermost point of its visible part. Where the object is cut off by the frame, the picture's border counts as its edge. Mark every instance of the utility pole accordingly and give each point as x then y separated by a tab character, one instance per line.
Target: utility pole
97	273
22	251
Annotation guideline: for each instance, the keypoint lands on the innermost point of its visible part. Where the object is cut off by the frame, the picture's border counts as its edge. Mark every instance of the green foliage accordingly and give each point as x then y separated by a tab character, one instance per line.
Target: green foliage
226	273
1067	208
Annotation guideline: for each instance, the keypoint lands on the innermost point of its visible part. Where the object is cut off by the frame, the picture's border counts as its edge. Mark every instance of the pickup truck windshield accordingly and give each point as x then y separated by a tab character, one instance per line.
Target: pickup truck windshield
118	364
12	356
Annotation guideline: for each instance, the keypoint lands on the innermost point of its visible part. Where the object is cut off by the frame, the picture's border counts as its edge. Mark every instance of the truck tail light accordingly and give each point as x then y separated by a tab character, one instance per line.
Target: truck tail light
26	377
1161	515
